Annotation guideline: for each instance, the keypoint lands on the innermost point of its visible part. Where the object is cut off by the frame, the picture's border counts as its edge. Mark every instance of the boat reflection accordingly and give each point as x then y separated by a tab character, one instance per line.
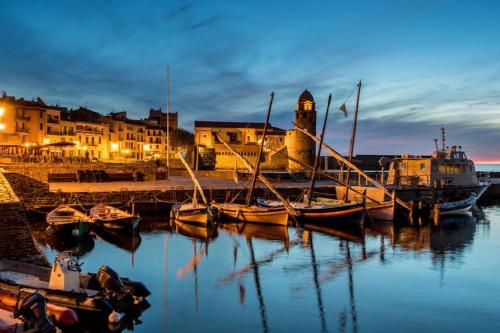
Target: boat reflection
450	236
64	241
126	241
251	230
205	233
350	234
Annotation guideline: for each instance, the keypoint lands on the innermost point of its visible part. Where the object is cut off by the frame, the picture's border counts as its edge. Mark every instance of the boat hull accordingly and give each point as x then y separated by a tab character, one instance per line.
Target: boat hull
124	224
328	214
198	215
252	214
383	211
81	227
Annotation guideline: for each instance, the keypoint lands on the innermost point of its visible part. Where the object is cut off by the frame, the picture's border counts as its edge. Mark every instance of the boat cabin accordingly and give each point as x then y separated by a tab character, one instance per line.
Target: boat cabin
444	168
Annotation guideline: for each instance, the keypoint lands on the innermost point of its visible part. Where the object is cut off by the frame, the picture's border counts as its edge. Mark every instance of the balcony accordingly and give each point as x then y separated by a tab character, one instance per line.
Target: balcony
53	132
21	130
23	117
51	120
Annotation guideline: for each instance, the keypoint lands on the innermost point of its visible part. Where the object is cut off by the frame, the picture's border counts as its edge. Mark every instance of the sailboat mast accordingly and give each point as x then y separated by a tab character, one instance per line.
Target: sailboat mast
257	164
168	121
353	139
355	125
318	155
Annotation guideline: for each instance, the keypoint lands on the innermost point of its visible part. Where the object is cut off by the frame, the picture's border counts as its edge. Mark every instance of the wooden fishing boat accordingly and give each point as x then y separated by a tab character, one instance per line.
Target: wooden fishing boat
193	213
376	211
92	296
67	218
331	214
114	218
252	213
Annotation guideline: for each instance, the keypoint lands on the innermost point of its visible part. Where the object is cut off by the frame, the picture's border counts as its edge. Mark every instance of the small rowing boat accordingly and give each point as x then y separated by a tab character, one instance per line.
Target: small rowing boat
114	218
67	218
193	212
252	213
453	207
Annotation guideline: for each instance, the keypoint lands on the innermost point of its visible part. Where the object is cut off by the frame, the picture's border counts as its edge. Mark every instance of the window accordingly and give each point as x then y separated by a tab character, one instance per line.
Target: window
402	166
422	167
41	127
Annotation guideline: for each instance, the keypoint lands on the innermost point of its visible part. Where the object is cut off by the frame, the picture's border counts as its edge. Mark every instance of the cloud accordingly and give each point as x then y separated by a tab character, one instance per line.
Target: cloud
214	19
179	10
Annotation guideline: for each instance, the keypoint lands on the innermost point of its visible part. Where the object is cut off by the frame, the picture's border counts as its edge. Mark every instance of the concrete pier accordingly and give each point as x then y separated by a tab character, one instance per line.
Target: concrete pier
16	242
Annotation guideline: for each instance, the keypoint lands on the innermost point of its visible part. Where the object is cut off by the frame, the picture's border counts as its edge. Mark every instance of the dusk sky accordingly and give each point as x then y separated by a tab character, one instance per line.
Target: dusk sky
422	63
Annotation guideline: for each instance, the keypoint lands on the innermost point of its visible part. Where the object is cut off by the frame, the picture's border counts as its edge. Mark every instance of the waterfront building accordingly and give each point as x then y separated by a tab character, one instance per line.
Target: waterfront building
245	138
33	130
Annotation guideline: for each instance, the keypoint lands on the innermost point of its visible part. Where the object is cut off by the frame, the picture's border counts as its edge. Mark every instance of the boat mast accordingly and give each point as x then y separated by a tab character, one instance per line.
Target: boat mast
196	183
443	136
353	138
168	121
257	164
318	155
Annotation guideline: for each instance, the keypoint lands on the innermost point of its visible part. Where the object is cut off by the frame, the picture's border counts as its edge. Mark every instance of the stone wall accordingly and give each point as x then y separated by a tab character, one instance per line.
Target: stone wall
16	242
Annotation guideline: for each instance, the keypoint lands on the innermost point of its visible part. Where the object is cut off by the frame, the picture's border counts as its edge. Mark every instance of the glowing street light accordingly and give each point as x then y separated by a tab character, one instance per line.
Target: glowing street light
2	111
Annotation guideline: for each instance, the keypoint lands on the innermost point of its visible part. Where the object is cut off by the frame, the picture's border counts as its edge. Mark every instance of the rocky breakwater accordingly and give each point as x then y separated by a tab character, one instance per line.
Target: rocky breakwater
16	242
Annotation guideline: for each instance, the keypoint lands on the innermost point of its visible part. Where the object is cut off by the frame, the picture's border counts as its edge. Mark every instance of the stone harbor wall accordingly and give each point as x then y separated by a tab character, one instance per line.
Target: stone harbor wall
150	171
16	242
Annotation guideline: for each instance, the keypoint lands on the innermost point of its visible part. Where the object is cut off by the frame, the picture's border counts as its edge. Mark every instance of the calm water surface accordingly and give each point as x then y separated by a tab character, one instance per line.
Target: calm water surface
246	279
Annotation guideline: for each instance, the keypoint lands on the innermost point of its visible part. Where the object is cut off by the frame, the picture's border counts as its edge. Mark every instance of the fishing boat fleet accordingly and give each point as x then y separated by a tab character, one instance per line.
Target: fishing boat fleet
448	177
67	218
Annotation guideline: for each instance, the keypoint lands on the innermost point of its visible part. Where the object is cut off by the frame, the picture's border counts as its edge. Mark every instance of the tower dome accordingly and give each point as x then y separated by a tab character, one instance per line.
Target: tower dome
306	96
306	102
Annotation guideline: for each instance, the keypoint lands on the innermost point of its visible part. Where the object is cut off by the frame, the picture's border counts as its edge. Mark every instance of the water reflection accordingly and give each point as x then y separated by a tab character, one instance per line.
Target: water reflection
273	278
61	241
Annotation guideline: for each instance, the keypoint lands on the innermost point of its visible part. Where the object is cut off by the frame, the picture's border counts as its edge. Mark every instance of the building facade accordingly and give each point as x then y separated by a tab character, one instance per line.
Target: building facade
34	130
245	137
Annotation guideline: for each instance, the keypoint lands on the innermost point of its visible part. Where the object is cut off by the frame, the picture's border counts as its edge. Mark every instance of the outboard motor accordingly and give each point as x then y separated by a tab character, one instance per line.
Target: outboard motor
112	285
33	312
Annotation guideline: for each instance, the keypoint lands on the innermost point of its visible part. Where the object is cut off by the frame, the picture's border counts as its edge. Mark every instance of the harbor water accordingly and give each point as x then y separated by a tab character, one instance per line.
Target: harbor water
243	278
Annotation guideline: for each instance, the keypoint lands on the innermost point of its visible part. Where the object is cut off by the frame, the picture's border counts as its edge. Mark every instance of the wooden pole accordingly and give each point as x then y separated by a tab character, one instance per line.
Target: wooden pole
257	164
353	139
318	155
168	121
193	178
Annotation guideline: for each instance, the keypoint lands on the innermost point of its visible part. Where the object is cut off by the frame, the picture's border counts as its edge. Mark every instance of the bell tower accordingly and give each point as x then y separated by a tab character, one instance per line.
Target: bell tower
300	146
